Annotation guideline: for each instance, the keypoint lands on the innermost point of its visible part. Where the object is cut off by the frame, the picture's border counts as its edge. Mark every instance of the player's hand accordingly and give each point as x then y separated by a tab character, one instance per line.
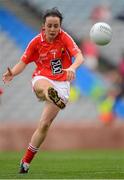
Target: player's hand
70	74
7	76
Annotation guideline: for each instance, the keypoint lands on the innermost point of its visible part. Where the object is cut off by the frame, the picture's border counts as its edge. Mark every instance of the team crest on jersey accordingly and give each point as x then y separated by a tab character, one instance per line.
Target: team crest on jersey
62	50
56	66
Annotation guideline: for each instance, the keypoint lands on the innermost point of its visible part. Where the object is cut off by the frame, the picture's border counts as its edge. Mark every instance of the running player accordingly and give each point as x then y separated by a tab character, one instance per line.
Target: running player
52	51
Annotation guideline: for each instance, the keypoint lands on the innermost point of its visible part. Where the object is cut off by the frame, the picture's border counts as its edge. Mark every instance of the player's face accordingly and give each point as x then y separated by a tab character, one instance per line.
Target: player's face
52	27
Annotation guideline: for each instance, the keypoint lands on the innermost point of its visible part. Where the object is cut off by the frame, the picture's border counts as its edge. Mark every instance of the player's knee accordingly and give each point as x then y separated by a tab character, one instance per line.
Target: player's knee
40	94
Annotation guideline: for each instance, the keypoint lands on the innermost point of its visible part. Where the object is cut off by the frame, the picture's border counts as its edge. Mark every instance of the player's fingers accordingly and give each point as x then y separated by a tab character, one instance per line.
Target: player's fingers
4	79
7	76
70	76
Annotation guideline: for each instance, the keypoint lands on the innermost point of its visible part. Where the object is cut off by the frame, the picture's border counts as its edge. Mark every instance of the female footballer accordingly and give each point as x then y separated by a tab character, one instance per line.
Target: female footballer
51	51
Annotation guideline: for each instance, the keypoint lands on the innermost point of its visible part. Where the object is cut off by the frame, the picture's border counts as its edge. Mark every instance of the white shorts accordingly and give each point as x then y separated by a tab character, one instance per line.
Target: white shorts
62	87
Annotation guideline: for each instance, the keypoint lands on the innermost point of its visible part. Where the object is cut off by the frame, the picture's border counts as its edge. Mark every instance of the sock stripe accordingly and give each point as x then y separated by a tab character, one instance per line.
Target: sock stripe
33	149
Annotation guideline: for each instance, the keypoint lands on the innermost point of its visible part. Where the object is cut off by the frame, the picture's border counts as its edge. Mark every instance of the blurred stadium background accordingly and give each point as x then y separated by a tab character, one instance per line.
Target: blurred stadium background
94	116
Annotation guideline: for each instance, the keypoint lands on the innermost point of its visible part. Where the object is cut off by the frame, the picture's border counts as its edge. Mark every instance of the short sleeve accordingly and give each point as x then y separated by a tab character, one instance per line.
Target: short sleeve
70	44
30	53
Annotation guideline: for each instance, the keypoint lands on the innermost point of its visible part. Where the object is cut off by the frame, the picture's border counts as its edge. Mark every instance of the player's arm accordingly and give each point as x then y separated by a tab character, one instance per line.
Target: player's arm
26	58
75	52
10	73
78	61
72	69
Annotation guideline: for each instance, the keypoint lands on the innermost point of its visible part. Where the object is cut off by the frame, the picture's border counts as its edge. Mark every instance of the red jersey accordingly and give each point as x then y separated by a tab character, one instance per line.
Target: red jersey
51	58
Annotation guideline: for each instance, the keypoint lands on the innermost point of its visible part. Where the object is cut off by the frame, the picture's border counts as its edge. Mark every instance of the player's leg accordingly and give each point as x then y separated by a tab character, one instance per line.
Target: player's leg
44	90
40	88
49	113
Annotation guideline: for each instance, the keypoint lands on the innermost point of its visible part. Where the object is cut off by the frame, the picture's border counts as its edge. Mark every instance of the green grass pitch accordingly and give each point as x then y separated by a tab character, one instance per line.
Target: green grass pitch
65	165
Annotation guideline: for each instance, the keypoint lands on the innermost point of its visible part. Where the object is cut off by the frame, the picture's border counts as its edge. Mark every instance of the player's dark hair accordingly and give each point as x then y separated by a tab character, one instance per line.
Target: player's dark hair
54	12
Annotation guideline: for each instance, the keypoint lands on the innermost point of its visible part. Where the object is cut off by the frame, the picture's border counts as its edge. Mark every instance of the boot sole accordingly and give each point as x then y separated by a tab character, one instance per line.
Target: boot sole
53	95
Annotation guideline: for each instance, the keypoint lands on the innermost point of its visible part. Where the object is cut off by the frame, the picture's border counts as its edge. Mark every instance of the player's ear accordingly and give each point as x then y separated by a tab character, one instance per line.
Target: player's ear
43	27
